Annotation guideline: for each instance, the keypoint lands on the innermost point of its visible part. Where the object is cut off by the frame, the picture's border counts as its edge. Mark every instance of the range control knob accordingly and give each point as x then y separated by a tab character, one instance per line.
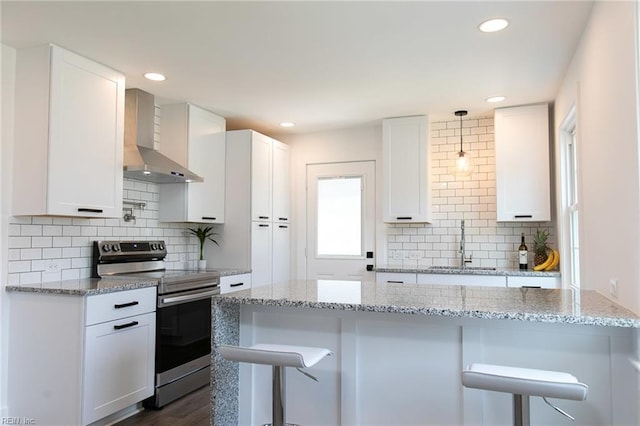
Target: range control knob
161	246
154	247
106	247
115	247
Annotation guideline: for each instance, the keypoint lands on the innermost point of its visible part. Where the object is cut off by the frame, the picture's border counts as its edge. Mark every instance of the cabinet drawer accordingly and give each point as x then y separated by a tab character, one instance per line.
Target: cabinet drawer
231	283
121	304
395	277
459	279
529	281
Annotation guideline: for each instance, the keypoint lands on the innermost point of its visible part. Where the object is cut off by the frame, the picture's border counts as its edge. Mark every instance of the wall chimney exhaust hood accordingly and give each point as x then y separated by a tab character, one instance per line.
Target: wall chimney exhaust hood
141	161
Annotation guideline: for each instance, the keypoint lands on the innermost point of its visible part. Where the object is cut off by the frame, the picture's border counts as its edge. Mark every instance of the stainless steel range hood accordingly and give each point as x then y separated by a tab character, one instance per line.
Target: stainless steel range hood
141	161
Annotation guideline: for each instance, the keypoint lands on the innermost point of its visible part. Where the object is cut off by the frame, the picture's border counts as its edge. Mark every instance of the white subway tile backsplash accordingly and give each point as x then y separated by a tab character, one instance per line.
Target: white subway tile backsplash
454	199
35	242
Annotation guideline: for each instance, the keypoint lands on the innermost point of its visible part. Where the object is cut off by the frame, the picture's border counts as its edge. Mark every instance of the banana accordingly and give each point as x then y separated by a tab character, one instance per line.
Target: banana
546	263
556	259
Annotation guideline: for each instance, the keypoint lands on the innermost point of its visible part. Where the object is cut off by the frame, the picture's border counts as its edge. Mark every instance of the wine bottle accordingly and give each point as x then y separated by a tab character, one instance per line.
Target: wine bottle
523	253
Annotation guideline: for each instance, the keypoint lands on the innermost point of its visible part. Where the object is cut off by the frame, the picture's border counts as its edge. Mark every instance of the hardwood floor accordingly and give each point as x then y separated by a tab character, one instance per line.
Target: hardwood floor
190	410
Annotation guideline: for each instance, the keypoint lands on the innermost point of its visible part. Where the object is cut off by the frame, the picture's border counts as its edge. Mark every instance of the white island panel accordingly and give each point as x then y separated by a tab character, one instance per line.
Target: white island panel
400	349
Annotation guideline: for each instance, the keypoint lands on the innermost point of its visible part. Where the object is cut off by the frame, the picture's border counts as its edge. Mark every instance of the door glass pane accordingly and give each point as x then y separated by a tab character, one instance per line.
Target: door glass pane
340	216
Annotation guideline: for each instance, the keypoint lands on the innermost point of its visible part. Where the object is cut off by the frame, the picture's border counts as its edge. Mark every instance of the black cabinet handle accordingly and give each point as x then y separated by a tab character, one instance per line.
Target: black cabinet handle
395	282
130	324
236	285
85	210
403	217
263	225
125	305
263	217
282	226
208	218
283	218
523	216
531	286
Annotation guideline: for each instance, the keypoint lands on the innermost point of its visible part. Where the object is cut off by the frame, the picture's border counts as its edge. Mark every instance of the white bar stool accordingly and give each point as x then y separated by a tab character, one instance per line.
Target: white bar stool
522	383
278	356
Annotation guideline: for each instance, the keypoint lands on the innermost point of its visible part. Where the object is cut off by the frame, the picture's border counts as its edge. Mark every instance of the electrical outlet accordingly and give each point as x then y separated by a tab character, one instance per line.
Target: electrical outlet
613	287
52	266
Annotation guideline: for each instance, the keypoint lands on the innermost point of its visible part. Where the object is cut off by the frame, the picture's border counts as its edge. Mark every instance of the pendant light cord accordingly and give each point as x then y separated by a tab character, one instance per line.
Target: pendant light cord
461	113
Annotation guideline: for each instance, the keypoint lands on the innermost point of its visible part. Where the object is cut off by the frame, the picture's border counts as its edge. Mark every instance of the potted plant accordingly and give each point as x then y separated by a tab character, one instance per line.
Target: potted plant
203	235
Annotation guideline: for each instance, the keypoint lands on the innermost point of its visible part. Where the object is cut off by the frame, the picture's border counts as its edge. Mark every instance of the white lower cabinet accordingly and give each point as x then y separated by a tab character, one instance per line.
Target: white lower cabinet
261	253
281	255
530	281
460	279
85	358
230	283
119	363
396	277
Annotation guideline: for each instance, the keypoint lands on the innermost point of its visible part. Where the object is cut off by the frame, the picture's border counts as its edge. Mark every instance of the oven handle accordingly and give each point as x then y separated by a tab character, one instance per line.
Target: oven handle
187	298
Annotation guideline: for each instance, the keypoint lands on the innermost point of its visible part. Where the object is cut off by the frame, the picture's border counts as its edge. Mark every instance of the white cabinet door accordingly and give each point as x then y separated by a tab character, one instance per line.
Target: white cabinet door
69	135
200	133
261	178
281	182
405	169
461	279
119	365
396	277
536	282
261	254
281	253
522	164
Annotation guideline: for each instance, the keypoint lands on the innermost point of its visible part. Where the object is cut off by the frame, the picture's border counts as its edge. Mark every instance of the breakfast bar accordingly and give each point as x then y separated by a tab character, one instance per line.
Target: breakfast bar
399	350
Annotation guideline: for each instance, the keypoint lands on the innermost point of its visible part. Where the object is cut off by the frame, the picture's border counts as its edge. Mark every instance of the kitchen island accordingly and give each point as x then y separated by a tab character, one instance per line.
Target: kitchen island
399	349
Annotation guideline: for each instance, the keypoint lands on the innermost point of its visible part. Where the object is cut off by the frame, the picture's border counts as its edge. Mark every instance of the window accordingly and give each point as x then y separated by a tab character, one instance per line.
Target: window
340	216
571	215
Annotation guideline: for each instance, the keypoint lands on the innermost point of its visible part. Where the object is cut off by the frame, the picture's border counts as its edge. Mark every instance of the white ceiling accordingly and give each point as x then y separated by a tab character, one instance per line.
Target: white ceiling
322	65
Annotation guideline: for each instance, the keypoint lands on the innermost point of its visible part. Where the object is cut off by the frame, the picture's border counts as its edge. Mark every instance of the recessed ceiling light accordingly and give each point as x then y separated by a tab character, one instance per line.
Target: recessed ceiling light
493	25
287	124
155	76
493	99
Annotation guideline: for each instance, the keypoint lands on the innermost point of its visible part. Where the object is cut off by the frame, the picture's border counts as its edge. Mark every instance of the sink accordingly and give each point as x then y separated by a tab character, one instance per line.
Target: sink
457	268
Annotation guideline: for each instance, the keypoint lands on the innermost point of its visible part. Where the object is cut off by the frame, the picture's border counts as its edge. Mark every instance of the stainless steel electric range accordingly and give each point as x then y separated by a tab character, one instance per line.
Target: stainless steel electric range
183	314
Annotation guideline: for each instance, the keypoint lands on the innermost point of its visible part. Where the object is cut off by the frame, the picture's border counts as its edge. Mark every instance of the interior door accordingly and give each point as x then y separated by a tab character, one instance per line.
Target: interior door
340	220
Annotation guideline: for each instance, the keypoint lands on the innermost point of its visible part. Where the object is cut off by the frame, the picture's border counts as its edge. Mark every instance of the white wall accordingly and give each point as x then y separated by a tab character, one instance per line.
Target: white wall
7	93
601	83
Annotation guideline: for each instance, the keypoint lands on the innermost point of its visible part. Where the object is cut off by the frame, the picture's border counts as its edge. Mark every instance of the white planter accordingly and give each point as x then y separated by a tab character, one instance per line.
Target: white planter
202	264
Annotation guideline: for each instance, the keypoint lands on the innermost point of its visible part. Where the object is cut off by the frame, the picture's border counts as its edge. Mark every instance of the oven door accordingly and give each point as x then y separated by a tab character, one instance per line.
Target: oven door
183	340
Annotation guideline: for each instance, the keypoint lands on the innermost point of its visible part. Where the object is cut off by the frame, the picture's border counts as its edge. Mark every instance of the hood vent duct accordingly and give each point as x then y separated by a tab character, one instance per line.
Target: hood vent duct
141	161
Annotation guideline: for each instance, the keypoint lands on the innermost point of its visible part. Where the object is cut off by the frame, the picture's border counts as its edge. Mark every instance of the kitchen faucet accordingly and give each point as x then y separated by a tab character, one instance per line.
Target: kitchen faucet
463	259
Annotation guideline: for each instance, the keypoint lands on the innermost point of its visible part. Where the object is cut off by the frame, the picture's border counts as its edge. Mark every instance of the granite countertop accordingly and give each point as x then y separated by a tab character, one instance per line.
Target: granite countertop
85	286
523	304
225	272
469	270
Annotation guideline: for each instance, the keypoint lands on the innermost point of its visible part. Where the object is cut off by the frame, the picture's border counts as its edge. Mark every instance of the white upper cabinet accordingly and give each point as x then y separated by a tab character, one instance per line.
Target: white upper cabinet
69	131
261	178
196	139
522	164
281	205
405	160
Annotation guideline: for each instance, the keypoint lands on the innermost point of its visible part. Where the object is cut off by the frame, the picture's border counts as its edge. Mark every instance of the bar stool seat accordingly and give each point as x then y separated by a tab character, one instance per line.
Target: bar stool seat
522	383
283	355
278	356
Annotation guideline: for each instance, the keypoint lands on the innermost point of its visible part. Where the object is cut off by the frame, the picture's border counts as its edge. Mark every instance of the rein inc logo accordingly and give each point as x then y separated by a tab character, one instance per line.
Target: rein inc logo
17	421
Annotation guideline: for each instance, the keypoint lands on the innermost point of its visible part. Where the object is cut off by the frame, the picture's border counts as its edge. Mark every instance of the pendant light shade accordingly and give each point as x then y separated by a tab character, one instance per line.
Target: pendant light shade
463	161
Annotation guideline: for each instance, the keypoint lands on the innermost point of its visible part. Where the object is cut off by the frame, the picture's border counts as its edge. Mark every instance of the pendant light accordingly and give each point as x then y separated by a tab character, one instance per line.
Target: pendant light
464	164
